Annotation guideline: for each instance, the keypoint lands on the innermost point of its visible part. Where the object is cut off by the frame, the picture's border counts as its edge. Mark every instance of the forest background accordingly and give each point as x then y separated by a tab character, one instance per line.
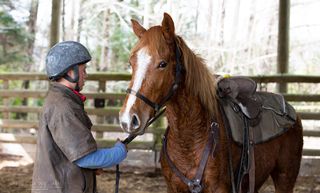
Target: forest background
237	37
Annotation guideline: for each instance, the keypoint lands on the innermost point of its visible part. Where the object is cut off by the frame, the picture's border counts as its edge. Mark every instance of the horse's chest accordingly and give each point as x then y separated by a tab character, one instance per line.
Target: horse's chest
188	167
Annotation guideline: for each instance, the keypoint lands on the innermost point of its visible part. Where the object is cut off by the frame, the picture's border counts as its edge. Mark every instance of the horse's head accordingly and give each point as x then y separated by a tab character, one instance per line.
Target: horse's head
153	63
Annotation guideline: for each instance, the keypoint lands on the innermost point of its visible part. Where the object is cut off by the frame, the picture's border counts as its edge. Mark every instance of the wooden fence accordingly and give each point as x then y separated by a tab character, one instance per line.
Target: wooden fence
9	124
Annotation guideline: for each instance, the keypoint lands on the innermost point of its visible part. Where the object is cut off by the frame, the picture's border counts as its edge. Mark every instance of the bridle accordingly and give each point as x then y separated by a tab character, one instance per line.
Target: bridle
158	107
174	87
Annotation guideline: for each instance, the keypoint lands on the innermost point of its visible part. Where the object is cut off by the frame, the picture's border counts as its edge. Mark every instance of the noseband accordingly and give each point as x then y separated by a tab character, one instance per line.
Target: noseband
174	87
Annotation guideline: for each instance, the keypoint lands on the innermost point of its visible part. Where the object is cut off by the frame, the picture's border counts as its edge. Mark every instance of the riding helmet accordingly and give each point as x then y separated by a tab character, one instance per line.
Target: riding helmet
63	56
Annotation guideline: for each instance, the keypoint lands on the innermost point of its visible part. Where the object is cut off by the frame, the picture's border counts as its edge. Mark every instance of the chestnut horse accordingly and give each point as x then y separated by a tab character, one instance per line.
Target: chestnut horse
188	91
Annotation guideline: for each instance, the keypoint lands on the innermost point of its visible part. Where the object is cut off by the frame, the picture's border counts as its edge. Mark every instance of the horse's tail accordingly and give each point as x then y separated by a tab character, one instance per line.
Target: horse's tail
298	124
299	132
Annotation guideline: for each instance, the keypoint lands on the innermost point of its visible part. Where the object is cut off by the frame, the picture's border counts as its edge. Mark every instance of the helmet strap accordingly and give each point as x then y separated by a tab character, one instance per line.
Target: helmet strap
75	79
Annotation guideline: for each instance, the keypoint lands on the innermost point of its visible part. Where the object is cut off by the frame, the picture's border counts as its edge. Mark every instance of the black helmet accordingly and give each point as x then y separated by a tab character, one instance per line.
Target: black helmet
63	56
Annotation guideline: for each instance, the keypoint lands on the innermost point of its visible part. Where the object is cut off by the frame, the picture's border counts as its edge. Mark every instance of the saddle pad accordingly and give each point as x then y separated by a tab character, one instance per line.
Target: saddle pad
275	117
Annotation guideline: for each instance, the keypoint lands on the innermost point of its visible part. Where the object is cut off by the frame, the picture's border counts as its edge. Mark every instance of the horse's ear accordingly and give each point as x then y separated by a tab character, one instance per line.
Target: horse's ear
137	28
168	27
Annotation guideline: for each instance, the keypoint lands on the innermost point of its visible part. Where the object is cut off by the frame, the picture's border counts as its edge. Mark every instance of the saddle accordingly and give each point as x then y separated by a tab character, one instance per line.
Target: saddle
250	118
241	91
268	114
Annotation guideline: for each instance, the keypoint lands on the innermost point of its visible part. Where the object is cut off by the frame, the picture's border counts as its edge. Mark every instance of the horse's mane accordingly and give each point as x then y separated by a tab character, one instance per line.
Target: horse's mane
199	80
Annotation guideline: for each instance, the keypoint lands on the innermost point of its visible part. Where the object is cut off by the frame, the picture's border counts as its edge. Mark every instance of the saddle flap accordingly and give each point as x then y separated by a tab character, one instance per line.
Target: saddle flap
276	117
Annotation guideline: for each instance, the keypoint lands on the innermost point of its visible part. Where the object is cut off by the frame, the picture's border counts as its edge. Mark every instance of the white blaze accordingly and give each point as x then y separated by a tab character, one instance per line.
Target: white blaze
143	61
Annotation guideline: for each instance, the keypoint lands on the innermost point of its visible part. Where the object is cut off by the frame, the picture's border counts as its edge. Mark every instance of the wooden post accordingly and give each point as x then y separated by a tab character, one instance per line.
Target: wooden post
157	137
283	41
6	101
99	118
55	22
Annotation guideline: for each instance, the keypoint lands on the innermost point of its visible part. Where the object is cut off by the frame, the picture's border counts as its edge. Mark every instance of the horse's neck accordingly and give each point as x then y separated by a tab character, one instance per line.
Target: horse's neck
188	121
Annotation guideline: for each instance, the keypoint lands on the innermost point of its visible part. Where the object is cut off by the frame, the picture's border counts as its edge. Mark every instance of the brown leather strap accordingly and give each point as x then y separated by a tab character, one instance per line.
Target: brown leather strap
195	183
251	162
228	136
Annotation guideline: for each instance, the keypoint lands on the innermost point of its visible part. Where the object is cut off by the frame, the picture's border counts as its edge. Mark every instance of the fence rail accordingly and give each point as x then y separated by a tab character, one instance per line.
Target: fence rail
100	126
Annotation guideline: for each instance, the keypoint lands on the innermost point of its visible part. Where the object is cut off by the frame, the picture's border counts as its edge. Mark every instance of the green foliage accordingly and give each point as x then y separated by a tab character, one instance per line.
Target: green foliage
13	43
16	102
39	102
121	44
121	40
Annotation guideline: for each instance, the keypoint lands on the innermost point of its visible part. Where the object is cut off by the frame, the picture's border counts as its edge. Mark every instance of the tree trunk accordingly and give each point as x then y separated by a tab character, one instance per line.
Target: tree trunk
221	60
196	18
234	36
55	22
72	28
80	20
63	21
251	33
28	67
32	30
105	49
146	14
269	50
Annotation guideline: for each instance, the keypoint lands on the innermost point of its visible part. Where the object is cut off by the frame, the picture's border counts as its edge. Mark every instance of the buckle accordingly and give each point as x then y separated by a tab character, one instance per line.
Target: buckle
214	124
195	186
236	108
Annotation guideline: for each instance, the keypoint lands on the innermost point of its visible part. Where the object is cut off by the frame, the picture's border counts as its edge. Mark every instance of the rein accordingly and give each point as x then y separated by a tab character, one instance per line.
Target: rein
194	184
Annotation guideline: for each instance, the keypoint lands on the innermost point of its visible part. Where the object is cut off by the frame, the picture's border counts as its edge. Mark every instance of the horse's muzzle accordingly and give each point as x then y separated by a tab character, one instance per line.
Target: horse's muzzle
130	123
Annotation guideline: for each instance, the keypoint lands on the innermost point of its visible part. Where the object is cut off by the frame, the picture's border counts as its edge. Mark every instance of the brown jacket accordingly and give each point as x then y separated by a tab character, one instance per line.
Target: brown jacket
63	137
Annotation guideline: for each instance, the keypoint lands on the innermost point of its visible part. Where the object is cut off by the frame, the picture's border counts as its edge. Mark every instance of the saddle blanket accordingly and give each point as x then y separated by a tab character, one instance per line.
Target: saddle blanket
275	116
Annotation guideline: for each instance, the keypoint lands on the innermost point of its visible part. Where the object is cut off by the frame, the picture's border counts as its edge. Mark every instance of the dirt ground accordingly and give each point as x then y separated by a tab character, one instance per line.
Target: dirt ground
133	180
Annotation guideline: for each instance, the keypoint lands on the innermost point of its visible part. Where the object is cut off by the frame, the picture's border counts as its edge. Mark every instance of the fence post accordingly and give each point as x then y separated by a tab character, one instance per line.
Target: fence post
6	101
157	137
100	103
283	41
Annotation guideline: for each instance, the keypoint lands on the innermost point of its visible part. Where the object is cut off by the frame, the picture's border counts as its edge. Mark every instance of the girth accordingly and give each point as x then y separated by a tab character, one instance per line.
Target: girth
195	185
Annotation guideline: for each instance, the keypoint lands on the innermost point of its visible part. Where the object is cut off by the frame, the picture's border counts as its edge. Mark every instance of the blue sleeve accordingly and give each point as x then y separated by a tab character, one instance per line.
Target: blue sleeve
103	158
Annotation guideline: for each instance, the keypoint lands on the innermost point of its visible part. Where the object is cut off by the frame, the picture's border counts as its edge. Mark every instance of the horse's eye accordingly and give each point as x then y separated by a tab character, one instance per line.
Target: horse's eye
162	64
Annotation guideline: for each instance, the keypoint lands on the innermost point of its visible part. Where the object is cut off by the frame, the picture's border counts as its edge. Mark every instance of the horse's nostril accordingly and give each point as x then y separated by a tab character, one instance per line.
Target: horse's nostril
124	125
135	121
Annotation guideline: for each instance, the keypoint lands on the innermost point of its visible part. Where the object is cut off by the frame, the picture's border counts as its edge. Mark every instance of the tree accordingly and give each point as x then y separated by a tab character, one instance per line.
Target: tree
55	22
30	45
13	39
105	56
32	31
